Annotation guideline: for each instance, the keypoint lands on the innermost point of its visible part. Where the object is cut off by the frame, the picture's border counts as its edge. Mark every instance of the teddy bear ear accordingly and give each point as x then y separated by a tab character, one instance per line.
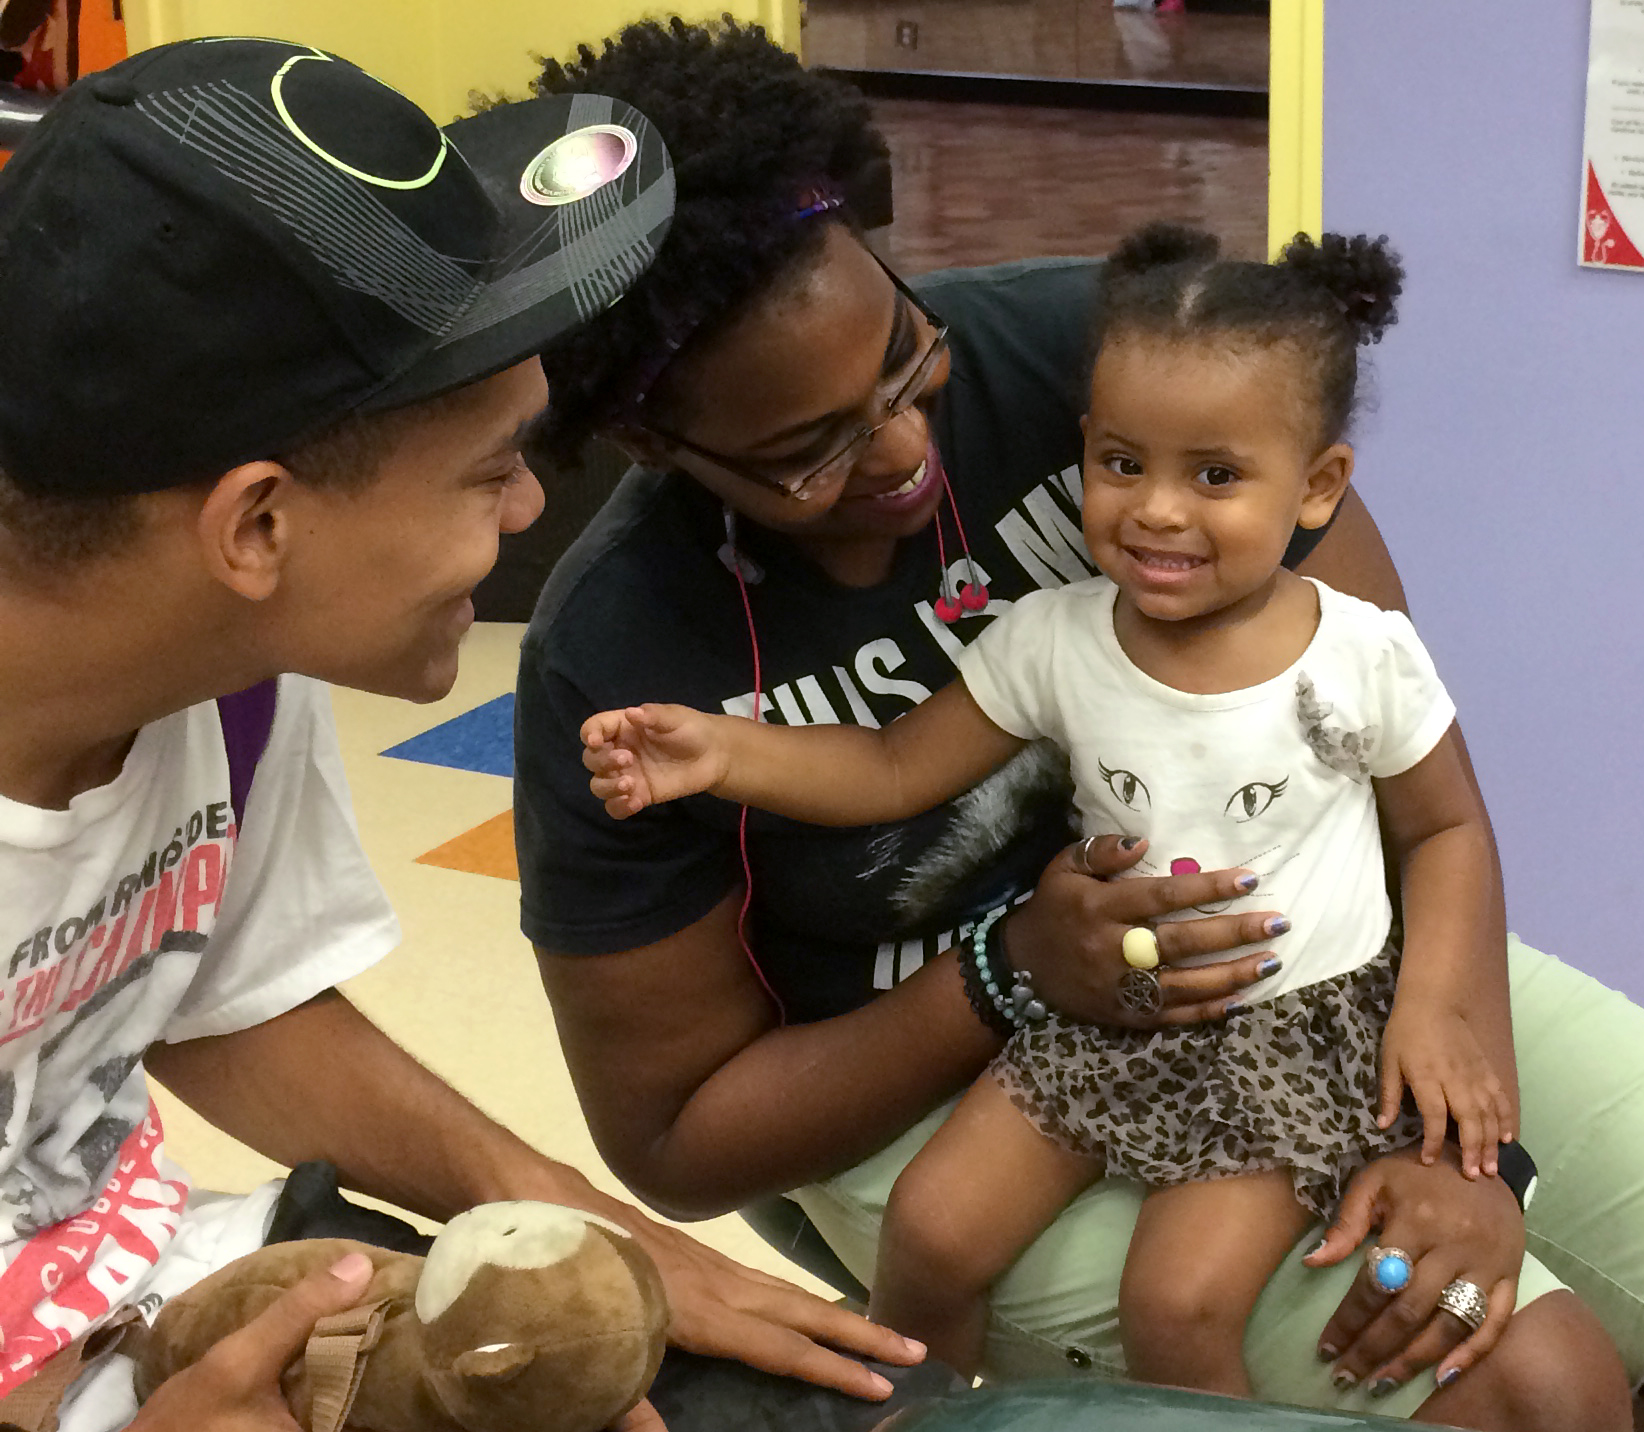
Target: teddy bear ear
496	1363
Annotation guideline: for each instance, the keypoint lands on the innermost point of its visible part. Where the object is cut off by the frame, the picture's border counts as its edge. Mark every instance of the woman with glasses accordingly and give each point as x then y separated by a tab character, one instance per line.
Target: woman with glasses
840	479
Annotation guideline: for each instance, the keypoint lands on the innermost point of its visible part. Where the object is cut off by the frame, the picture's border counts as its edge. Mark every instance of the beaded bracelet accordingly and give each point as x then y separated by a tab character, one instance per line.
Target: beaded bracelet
987	978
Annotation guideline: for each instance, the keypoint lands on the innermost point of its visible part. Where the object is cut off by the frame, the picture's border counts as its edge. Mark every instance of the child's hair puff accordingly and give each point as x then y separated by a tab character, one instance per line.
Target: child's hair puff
1324	298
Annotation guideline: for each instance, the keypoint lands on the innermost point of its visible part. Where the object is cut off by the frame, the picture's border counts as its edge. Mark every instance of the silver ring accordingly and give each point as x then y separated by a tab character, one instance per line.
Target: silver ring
1081	857
1466	1301
1390	1269
1139	992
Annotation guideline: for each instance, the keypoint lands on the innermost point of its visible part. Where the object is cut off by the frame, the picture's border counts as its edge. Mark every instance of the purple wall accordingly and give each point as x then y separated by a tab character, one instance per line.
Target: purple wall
1504	458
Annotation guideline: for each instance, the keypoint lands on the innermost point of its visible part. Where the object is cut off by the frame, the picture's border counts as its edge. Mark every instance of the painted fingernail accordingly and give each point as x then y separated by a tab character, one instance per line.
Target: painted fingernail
881	1385
1278	925
1247	883
1314	1252
1448	1376
1327	1353
1382	1386
1341	1379
352	1268
1237	1006
1130	842
1269	966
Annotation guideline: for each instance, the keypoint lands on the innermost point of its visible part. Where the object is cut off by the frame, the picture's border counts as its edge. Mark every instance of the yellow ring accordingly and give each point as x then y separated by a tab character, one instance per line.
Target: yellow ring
1141	948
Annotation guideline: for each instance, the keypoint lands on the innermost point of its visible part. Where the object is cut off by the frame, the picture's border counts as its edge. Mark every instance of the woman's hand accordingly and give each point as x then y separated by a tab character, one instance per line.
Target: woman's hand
236	1386
722	1309
1451	1228
1069	936
1434	1053
646	755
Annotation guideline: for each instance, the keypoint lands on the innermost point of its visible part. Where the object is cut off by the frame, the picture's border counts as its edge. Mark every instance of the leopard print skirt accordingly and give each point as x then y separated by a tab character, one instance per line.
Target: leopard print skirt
1289	1083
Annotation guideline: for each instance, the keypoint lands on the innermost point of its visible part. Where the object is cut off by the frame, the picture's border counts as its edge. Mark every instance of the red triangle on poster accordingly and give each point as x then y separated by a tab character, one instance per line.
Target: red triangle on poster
1603	240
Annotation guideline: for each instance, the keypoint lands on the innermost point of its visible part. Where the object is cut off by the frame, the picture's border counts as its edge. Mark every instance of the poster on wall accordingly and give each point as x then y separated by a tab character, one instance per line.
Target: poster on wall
1612	185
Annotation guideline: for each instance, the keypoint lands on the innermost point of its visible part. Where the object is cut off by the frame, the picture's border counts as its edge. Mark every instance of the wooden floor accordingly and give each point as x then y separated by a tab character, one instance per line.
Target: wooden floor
980	183
1047	39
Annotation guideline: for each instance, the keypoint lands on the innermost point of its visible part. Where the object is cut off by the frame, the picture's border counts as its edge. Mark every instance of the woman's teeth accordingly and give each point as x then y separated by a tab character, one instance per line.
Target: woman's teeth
911	483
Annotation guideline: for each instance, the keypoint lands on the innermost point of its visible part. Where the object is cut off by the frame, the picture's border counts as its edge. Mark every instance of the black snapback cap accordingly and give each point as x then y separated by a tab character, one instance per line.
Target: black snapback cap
218	247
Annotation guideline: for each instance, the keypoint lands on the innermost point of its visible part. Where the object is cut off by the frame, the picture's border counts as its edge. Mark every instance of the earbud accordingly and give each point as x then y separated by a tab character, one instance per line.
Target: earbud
948	610
973	596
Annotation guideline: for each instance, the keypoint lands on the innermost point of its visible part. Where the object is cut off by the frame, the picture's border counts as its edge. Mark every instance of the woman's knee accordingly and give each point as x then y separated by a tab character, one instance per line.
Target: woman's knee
1555	1370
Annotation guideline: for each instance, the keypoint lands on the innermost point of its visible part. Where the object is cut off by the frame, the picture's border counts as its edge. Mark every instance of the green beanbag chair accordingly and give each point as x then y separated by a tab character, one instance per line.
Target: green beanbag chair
1089	1406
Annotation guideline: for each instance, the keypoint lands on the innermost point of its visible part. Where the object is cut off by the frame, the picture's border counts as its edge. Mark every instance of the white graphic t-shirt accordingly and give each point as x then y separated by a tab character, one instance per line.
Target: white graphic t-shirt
141	914
1273	778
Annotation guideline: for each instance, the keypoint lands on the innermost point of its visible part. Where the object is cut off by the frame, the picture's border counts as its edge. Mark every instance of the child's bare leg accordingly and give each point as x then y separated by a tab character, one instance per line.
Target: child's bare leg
986	1185
1200	1256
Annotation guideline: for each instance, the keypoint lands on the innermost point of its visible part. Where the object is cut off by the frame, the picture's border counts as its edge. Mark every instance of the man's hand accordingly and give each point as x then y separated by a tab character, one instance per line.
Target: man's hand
1451	1228
646	755
236	1386
722	1309
1434	1053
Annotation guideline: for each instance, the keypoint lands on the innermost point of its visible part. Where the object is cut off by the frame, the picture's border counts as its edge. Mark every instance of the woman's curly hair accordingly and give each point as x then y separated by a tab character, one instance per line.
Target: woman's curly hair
1326	298
751	134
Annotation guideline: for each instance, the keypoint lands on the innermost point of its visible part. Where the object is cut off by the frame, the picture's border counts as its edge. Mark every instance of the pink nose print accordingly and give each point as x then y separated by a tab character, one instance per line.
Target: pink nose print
1184	865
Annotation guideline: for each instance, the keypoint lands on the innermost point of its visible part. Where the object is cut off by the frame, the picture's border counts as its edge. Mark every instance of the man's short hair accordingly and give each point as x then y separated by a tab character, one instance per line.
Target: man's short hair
51	533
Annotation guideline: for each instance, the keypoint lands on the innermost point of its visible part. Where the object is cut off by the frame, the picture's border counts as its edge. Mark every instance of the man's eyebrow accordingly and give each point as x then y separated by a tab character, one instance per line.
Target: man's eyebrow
518	438
899	326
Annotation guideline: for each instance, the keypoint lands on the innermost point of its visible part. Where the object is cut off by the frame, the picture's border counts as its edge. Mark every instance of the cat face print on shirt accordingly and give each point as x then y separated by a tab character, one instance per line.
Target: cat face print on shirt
1197	813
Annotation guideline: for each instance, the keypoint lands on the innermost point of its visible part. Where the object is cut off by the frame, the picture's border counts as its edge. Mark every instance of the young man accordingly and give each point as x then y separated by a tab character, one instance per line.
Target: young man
268	356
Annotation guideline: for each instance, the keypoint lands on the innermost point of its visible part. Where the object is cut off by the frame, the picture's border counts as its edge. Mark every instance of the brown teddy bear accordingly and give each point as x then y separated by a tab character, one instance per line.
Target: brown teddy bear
524	1317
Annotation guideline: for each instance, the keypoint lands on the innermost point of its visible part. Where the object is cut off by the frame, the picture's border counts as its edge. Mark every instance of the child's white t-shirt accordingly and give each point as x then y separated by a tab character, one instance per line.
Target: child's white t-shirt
138	915
1273	778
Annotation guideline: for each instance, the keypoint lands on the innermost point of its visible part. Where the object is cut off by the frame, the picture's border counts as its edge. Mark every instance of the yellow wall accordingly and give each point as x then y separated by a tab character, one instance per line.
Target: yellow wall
1295	134
436	51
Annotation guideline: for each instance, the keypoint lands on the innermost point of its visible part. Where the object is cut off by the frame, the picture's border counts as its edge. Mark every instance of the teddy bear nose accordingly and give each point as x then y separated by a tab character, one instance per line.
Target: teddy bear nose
1184	865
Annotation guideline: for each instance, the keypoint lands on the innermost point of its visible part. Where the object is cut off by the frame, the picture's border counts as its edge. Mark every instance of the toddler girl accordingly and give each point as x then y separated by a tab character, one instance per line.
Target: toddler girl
1228	714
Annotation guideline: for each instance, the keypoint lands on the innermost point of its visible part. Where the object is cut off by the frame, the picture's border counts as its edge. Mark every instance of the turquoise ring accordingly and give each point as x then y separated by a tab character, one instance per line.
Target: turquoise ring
1390	1269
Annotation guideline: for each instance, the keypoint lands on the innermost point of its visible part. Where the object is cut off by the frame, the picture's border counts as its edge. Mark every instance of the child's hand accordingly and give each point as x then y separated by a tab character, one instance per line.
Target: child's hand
649	754
1434	1053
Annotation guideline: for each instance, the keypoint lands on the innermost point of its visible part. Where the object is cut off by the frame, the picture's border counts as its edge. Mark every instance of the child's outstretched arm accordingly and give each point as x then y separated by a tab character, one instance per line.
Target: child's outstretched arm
828	775
1453	1063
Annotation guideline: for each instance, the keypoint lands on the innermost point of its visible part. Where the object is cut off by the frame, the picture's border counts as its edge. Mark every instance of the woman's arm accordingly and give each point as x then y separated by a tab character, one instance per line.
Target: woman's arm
1439	838
699	1102
824	774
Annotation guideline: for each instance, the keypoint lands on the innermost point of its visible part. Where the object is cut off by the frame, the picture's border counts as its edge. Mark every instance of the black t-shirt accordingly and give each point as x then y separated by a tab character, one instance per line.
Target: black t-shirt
641	609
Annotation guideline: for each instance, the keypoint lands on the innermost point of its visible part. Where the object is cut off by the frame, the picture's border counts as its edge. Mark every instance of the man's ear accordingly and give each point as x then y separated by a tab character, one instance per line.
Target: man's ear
1327	483
637	445
245	530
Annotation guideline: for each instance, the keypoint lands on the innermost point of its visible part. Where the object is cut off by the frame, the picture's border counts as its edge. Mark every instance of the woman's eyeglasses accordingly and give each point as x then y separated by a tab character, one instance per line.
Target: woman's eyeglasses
792	480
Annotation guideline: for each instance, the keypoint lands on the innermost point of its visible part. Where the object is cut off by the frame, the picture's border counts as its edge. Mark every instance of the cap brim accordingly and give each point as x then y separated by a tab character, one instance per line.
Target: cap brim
559	261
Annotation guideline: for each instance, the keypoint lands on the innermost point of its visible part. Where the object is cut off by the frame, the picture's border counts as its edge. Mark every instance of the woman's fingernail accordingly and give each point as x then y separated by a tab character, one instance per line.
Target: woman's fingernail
1341	1379
916	1347
1278	925
1314	1252
1130	842
1449	1375
1247	883
1327	1353
1237	1006
881	1385
1269	966
351	1268
1382	1386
